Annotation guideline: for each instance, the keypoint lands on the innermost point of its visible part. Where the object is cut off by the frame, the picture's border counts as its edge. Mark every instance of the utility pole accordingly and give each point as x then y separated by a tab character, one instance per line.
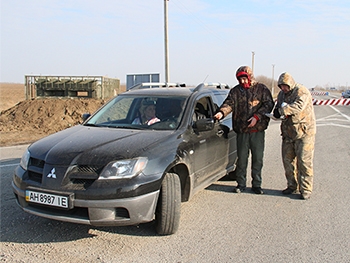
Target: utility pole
167	77
253	53
273	73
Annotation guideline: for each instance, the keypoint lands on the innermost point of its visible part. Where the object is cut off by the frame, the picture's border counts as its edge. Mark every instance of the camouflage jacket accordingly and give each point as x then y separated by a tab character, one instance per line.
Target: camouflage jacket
299	113
246	103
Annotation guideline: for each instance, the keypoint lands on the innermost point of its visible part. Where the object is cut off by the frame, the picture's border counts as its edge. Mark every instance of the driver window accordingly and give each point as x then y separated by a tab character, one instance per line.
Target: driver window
202	109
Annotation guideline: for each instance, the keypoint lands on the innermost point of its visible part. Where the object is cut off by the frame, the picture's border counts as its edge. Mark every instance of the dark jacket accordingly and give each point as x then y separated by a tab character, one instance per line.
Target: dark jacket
245	103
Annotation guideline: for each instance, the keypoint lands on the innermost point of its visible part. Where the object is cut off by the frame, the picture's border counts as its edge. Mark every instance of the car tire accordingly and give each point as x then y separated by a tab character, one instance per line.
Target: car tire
169	205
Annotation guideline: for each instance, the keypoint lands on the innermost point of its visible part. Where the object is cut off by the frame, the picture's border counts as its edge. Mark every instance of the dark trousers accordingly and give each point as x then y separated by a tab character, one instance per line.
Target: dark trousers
246	143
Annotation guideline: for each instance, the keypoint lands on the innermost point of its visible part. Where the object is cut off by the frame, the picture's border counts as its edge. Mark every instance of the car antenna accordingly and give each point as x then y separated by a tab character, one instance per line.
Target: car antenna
205	78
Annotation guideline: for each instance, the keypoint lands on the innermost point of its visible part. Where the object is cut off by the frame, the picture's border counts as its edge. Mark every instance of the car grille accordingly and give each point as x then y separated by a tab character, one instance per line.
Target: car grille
79	177
37	162
82	176
36	177
87	169
35	169
121	212
76	212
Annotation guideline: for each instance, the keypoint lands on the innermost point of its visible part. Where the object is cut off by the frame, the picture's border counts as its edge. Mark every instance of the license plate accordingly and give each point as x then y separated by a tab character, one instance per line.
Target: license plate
47	199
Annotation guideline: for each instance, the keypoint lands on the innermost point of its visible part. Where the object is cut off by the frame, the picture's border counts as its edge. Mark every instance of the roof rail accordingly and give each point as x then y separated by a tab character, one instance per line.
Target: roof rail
145	85
216	85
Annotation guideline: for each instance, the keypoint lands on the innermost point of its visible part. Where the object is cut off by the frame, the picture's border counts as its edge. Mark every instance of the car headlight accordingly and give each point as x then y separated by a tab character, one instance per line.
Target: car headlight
25	160
124	168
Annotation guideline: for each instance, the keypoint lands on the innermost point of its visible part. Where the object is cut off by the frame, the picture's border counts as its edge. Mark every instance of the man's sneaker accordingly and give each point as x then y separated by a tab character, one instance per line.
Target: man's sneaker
305	196
289	191
257	190
238	189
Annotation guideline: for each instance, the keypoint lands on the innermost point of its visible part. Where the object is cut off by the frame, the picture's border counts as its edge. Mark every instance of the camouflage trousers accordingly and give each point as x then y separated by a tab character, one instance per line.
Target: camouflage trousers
298	158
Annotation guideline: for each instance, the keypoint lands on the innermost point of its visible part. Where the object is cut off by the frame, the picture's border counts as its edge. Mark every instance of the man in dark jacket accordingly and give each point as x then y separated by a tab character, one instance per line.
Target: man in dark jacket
248	101
298	128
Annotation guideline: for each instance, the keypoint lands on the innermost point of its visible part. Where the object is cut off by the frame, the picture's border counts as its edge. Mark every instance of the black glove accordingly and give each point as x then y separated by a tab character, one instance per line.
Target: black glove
276	113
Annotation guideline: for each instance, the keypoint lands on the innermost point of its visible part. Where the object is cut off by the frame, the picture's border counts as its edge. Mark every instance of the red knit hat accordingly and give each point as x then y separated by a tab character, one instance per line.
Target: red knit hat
240	74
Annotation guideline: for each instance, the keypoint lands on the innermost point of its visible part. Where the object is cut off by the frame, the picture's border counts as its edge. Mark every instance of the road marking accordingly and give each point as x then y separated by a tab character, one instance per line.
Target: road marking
8	165
342	114
333	124
331	119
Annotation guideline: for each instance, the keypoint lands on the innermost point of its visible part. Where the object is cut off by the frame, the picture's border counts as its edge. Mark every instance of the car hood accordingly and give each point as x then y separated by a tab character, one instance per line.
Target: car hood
94	145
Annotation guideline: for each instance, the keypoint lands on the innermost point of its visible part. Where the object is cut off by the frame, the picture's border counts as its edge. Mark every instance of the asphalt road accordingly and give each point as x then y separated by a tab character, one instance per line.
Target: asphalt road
216	225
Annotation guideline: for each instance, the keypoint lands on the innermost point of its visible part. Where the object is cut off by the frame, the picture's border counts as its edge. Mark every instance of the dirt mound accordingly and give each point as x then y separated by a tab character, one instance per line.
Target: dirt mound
11	94
31	120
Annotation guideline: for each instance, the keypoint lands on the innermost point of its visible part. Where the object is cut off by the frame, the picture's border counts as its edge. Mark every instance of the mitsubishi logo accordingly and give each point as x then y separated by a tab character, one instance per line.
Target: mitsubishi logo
52	174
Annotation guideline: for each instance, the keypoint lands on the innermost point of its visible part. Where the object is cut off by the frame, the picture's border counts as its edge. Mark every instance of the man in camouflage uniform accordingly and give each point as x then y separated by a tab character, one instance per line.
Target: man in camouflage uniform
298	127
248	101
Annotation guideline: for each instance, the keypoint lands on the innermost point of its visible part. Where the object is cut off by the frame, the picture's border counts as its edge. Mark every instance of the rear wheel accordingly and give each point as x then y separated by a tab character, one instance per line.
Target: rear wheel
169	205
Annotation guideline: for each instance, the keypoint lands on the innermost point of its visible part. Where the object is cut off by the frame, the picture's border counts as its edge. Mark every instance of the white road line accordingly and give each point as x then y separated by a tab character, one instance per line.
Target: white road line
342	114
333	124
8	165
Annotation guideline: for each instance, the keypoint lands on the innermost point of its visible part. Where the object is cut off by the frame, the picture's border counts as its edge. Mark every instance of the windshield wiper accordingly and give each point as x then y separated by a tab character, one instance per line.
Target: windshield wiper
91	125
127	126
136	127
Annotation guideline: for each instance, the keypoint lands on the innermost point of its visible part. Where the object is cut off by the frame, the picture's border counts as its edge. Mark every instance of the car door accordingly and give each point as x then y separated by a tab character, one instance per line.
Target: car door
223	140
209	147
228	140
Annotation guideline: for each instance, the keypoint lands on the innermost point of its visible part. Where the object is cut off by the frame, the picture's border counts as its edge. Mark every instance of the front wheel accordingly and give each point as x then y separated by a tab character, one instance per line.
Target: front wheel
169	205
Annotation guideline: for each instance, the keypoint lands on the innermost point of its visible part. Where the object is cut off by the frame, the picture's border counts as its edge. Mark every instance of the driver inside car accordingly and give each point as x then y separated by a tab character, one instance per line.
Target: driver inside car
147	113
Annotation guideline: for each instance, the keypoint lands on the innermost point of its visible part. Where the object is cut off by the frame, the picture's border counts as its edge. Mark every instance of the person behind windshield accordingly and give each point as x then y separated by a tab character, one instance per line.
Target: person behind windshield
148	114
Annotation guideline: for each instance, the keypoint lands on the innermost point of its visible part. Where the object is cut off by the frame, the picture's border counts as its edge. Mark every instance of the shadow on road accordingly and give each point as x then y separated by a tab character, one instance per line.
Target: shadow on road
229	189
27	228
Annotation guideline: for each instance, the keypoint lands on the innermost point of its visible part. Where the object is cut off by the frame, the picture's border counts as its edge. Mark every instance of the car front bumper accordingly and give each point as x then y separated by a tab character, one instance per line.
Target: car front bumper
111	212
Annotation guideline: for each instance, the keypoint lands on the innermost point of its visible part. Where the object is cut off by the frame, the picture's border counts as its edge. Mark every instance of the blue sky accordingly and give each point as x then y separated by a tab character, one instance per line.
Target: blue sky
208	40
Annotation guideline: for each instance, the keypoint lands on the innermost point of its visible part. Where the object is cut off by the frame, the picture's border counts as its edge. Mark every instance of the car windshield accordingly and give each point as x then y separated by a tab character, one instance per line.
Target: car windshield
140	112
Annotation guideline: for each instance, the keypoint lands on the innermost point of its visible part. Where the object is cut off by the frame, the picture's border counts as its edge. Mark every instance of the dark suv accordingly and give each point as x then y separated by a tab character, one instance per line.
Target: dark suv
112	172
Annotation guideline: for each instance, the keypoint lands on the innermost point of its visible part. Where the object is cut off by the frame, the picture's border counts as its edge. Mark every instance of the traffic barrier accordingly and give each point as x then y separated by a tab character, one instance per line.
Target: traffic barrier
331	102
318	93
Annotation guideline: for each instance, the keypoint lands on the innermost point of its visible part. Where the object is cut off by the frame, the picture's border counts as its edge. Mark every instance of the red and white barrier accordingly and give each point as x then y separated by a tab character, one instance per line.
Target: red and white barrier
331	102
319	93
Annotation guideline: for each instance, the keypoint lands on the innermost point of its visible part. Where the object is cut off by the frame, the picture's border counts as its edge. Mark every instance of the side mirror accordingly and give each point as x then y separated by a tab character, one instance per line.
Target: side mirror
201	125
86	116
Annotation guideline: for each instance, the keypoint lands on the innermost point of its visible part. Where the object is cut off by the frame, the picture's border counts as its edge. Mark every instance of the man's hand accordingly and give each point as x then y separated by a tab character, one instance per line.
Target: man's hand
252	121
218	115
284	104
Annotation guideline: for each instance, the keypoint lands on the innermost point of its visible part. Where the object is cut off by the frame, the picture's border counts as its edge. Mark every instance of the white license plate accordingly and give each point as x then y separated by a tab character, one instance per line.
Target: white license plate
47	199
